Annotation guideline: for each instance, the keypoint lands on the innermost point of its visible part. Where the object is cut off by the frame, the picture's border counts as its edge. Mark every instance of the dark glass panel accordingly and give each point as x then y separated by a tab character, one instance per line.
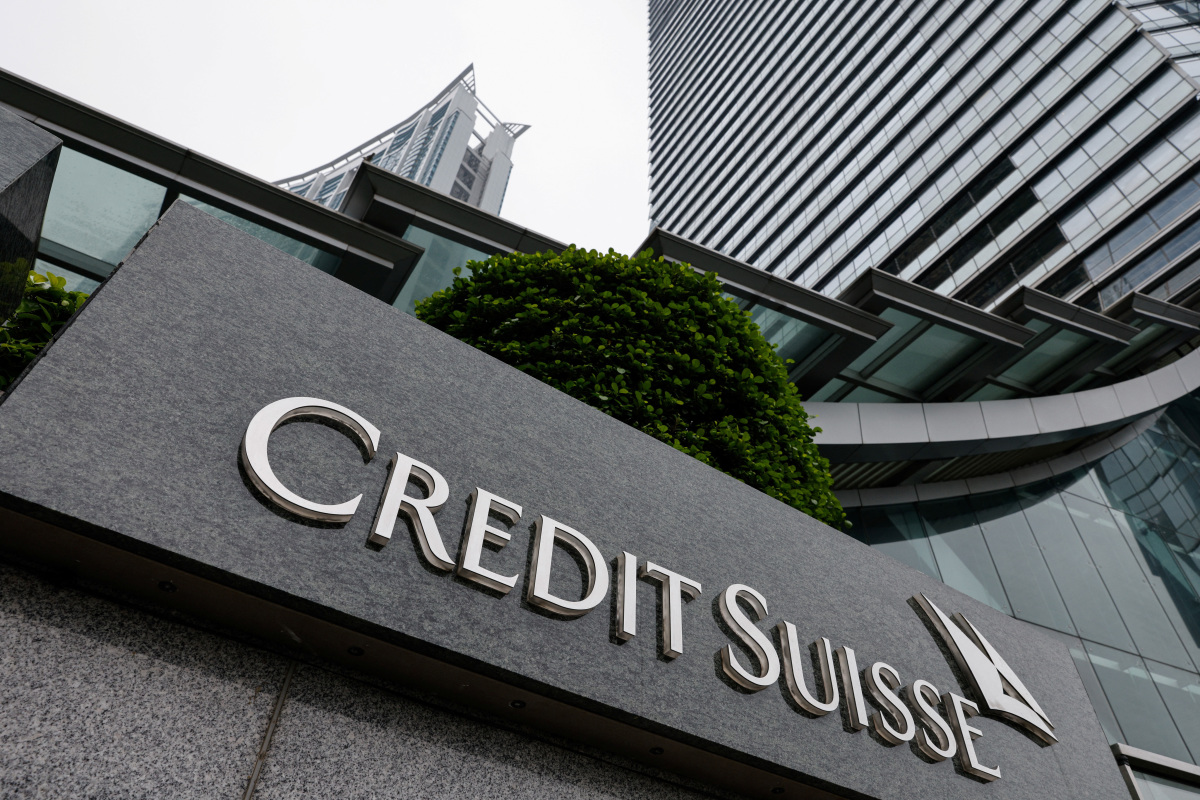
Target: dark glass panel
1091	684
98	209
897	531
1091	608
1026	578
1180	690
435	269
1156	787
1146	620
961	552
1136	702
321	259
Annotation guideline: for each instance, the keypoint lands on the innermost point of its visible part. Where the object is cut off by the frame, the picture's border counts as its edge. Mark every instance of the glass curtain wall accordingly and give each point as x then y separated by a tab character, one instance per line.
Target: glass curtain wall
1104	558
97	212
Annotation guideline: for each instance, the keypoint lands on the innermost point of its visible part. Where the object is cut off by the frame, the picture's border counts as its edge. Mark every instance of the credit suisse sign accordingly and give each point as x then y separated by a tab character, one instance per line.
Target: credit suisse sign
820	677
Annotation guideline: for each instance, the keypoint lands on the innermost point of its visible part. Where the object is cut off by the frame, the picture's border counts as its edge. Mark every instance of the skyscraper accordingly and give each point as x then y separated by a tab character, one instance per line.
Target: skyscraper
968	147
1013	189
454	145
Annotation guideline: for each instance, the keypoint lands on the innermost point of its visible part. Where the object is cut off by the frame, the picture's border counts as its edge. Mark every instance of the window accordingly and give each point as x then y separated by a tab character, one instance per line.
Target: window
325	195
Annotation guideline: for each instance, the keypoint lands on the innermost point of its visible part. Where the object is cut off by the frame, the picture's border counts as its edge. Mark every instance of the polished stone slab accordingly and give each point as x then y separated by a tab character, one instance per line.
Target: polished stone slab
102	701
341	738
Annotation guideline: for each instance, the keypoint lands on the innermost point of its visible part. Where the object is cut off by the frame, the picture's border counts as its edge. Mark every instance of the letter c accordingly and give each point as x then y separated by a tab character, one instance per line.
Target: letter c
258	468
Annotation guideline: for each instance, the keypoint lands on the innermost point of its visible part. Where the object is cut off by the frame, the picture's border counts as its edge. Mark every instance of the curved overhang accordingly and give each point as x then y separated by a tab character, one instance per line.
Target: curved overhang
1078	458
871	432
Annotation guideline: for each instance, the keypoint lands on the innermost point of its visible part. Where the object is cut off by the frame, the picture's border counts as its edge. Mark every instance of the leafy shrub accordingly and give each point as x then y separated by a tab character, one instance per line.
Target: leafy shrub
45	307
654	344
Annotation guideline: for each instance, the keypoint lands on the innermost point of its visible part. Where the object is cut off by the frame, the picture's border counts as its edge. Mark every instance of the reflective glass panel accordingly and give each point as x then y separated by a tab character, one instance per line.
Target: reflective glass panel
1018	559
793	338
1156	787
435	269
927	358
321	259
1083	665
1153	634
861	394
1180	690
961	553
1091	608
902	323
898	532
97	209
1152	548
1048	358
1136	702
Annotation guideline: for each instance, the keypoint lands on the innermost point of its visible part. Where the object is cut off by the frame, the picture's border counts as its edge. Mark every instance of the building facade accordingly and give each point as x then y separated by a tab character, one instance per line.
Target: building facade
957	168
1035	452
454	145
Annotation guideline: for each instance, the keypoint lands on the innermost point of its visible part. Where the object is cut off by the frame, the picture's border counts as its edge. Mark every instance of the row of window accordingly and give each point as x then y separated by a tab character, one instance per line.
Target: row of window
880	189
96	213
825	174
829	103
1093	215
1001	131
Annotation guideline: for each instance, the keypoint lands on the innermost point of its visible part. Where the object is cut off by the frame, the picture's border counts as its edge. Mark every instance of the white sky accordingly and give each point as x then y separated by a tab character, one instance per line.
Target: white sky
275	87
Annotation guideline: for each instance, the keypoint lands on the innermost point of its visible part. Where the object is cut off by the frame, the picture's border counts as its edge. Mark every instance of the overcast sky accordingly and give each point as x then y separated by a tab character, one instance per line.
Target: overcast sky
276	87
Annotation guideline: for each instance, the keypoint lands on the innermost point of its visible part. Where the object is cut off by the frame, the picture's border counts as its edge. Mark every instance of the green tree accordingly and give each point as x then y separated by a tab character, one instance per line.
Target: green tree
45	307
654	344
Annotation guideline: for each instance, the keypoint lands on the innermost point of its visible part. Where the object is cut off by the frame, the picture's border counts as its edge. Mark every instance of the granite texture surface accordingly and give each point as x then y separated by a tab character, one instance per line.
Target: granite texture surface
341	738
103	701
128	430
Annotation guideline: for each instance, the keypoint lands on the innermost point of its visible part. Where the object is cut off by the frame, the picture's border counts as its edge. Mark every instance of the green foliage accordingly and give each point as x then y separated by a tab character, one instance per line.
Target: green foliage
45	308
655	345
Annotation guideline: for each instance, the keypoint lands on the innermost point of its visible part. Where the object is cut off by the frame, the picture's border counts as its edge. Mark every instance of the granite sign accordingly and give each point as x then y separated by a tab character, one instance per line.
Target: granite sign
521	545
918	712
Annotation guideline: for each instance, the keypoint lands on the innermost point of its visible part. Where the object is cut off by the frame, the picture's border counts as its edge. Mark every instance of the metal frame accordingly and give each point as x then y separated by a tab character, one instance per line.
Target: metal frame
1131	758
369	256
1002	339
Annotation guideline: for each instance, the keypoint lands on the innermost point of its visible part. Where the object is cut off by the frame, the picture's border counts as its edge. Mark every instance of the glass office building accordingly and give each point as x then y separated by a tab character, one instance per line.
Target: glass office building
454	145
1015	188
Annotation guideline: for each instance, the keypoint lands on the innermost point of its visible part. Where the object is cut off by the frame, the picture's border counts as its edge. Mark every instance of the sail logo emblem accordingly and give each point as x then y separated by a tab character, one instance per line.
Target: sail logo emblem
990	678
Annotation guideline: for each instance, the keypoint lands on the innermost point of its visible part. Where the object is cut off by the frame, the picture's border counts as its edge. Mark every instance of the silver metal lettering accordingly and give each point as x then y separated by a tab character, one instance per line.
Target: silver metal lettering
960	709
882	685
856	704
673	587
545	534
793	672
758	642
484	503
258	468
923	697
627	570
419	511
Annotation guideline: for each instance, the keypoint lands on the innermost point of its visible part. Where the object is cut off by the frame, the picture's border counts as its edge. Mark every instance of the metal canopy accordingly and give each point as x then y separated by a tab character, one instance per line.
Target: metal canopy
1071	342
821	335
939	348
390	203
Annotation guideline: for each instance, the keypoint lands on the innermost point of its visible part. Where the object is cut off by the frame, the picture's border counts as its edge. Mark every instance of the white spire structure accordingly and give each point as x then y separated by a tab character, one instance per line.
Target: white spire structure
454	145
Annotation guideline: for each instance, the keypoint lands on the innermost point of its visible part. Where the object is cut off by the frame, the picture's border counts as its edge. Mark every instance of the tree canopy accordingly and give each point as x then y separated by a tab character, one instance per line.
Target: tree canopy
656	345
